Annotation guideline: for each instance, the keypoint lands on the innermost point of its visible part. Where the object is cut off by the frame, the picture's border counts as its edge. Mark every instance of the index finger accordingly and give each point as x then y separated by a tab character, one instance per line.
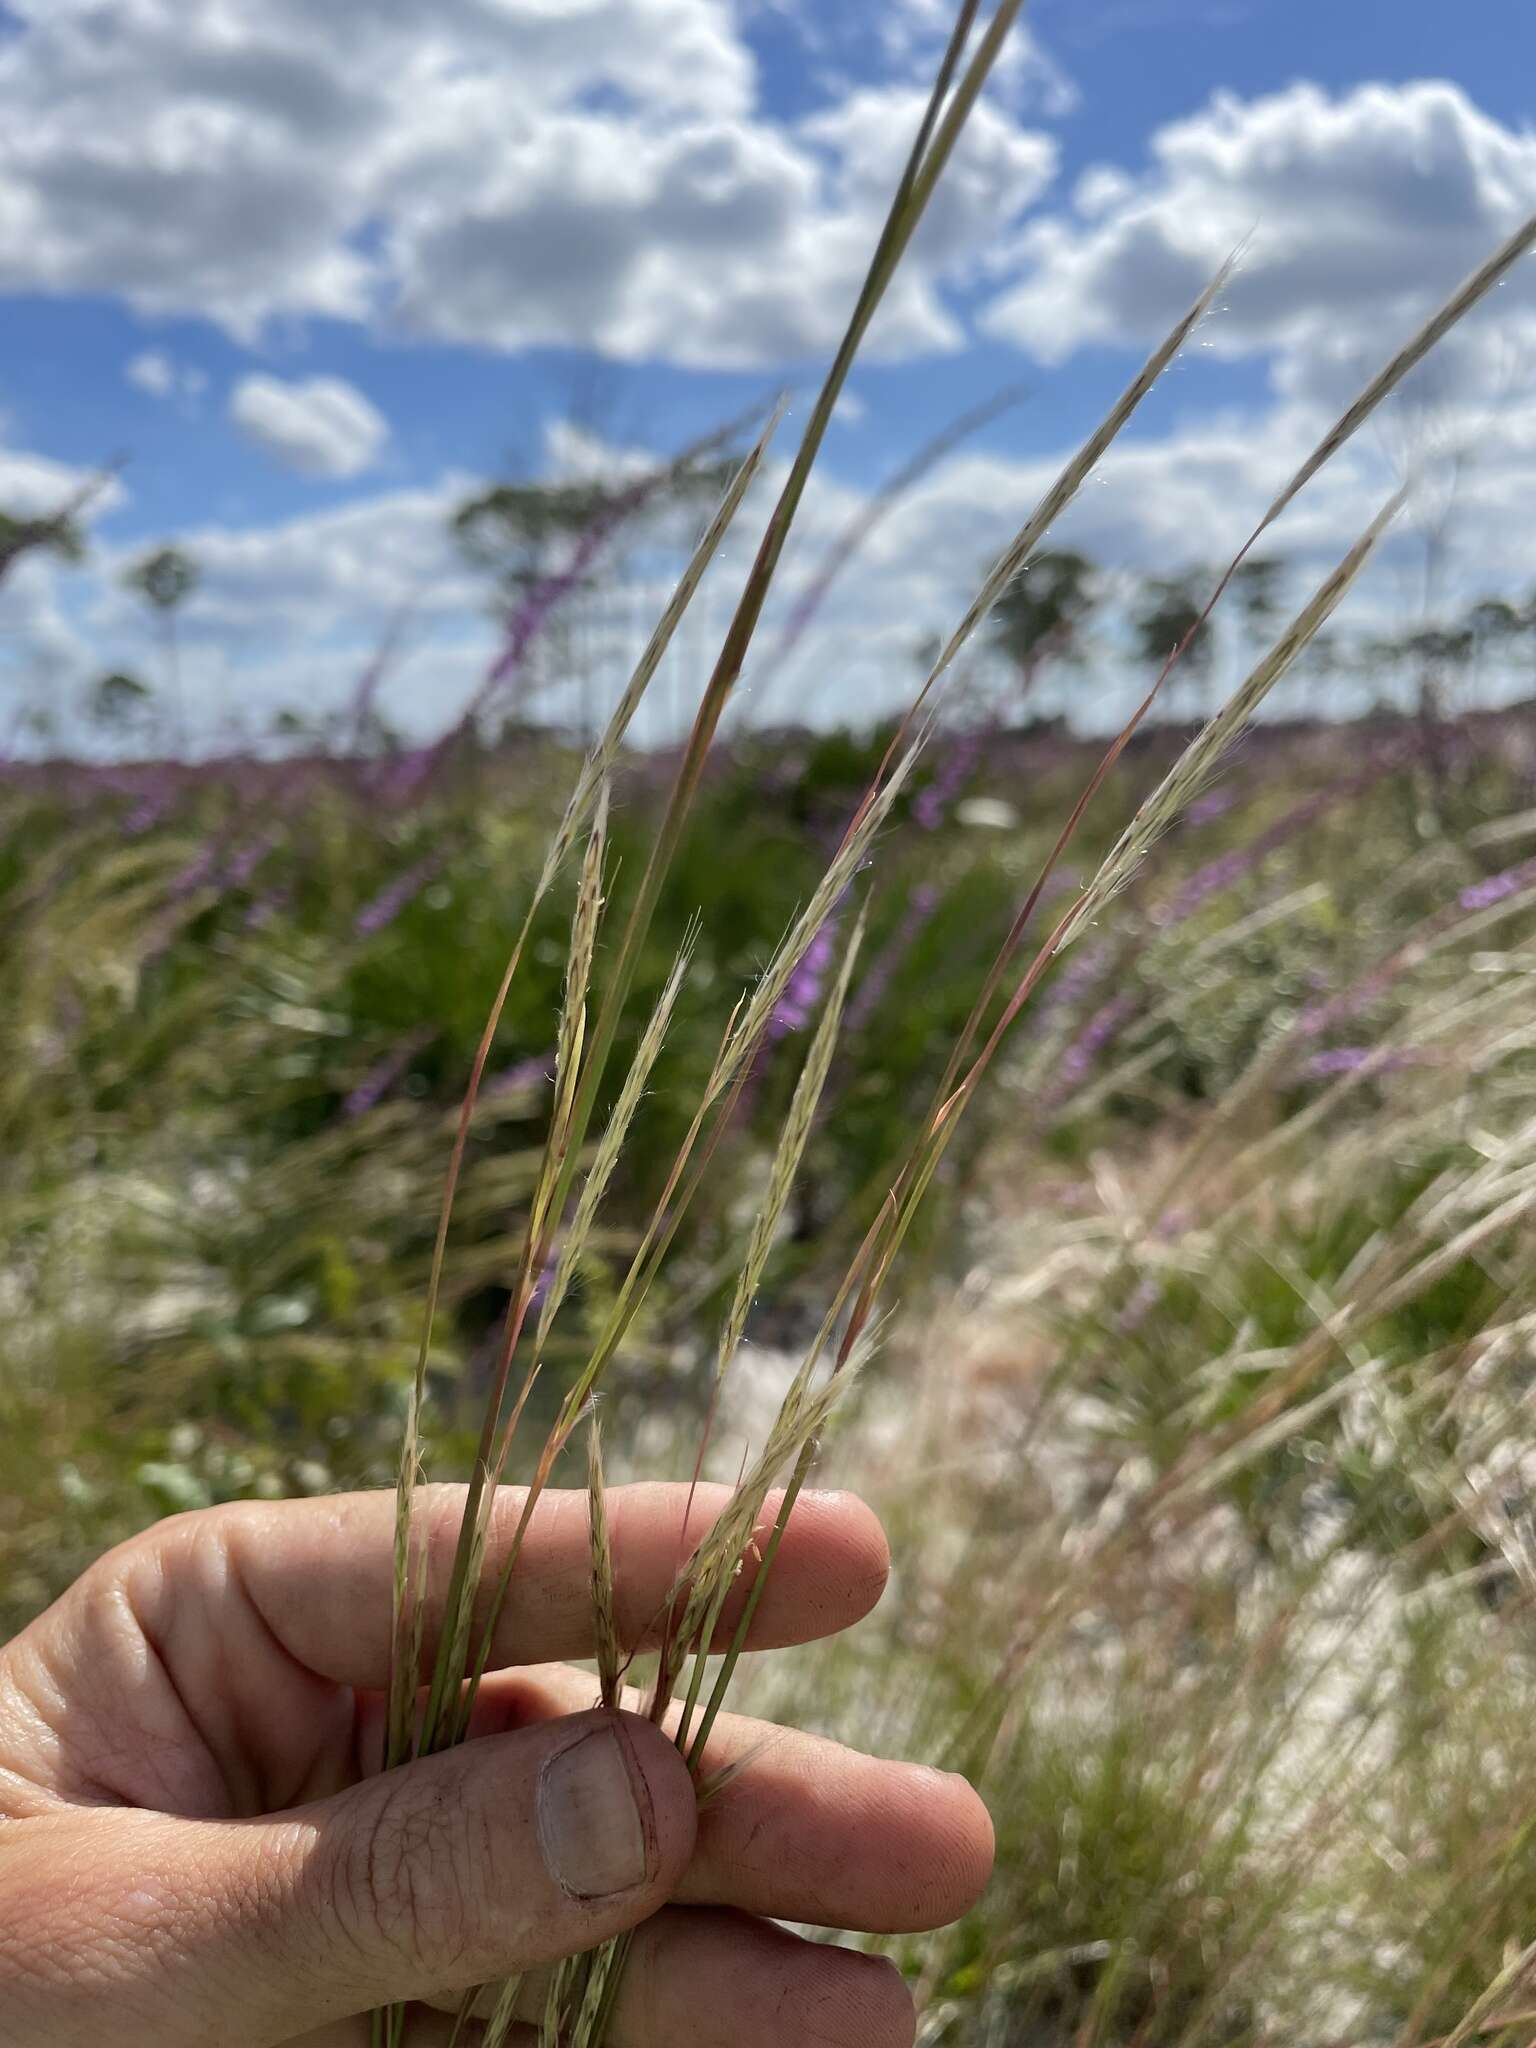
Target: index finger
320	1572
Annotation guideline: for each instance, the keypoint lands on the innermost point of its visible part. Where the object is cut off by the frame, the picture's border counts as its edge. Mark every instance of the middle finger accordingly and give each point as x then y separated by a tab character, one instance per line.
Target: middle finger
694	1978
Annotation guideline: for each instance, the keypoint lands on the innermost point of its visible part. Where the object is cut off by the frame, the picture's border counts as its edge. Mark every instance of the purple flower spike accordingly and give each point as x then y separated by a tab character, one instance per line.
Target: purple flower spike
1221	874
931	806
390	901
1483	895
1215	804
534	1072
266	907
1082	1056
802	992
383	1075
242	865
924	901
145	815
1349	1059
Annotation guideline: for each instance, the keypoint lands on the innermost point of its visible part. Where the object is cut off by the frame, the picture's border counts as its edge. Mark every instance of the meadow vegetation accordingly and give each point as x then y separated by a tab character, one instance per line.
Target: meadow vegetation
1252	1743
1189	1075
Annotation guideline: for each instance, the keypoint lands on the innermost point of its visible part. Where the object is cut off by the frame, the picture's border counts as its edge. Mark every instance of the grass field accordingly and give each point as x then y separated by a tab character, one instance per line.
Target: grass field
1203	1425
1117	1157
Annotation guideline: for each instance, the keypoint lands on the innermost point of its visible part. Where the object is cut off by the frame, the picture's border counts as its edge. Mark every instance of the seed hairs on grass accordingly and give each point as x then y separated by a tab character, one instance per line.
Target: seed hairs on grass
429	1708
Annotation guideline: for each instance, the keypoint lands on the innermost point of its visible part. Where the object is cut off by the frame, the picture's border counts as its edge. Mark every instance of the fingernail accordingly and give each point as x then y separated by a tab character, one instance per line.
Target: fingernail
594	1814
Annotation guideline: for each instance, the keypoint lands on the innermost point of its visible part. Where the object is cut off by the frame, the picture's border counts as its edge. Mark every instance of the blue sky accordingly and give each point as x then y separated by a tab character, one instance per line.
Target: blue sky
314	274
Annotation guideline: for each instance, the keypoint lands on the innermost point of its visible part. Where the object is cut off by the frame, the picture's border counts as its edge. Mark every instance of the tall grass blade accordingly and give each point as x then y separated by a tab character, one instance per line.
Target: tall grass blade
610	1659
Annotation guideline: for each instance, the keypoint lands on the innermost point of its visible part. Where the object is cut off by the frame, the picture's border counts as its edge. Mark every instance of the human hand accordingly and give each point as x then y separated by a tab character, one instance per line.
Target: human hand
197	1847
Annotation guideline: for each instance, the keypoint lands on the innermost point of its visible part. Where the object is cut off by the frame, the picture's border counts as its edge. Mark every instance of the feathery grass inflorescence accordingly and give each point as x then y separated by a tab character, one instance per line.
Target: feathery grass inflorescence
957	87
409	1584
793	1138
581	1991
1200	760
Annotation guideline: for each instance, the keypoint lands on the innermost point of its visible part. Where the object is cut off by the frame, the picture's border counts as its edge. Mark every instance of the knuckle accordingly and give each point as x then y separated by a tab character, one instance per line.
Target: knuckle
142	1560
405	1884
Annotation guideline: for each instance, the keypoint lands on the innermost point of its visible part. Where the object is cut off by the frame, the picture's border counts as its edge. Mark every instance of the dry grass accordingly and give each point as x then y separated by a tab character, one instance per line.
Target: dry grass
1217	1449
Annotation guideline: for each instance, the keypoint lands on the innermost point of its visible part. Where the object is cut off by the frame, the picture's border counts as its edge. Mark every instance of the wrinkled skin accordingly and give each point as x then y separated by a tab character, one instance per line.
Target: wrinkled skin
197	1845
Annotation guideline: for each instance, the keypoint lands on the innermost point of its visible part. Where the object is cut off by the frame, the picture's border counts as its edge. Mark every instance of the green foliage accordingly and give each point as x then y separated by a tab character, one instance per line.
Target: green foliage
196	1009
118	700
522	532
233	1047
57	534
165	578
1041	616
1129	1887
1168	616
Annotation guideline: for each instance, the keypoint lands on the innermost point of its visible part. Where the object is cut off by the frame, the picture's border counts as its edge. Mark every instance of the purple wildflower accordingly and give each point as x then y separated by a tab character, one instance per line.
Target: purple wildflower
193	876
368	683
1349	1002
1477	896
383	1075
931	805
399	778
391	900
1339	1059
1082	1056
1349	1059
802	991
266	907
1074	981
924	901
543	598
1483	895
534	1072
1215	804
1222	873
145	814
531	616
243	865
1508	882
204	871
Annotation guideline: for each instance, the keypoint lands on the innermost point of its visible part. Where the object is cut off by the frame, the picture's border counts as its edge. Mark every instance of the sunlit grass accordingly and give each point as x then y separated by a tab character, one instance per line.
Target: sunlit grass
1214	1566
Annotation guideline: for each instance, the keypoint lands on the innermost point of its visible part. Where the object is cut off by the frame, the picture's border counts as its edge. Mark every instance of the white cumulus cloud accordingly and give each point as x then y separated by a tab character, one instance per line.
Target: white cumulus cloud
160	376
593	173
1356	213
152	372
32	486
321	426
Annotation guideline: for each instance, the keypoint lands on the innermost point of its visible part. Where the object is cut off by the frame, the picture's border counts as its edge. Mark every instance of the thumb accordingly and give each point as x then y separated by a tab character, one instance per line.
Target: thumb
507	1853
